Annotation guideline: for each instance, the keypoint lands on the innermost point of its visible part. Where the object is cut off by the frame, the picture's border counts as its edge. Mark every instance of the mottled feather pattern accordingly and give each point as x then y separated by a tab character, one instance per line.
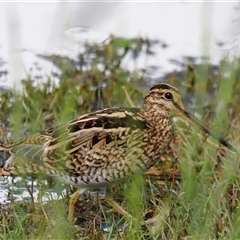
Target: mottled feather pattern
93	148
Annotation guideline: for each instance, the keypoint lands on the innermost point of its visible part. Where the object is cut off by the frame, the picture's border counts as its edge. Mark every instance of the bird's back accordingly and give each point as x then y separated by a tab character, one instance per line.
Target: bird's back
93	149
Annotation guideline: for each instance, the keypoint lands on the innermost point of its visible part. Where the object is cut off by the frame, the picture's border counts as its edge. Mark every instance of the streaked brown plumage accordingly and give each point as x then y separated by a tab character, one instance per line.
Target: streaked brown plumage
105	146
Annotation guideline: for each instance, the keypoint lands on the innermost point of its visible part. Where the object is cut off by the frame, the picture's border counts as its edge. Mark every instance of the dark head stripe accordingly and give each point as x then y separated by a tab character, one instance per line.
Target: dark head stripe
163	86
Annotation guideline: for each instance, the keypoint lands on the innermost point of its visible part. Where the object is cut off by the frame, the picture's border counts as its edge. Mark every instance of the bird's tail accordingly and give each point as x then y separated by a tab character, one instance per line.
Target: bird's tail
3	172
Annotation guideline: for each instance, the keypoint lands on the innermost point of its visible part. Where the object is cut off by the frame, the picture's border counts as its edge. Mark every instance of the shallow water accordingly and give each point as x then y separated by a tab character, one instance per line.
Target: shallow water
184	31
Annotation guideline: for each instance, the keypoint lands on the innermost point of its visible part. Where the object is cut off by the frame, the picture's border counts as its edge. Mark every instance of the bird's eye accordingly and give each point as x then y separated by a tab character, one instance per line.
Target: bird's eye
168	96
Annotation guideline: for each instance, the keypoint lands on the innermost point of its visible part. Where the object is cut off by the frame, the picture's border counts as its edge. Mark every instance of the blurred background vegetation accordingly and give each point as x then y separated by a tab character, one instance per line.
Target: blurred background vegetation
193	193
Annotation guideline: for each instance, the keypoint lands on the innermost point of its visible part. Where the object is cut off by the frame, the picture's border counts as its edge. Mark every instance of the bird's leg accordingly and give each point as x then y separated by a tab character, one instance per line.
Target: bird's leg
149	223
73	199
115	205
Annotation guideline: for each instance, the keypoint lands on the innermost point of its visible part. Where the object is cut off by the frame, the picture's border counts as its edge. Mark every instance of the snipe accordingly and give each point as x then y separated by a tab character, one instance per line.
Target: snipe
105	146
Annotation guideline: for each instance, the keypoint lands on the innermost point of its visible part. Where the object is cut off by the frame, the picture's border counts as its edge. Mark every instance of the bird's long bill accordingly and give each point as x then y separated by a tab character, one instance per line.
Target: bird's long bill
206	130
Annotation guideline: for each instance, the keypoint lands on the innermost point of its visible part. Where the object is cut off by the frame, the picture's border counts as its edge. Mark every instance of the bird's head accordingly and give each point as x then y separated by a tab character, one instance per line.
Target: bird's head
165	99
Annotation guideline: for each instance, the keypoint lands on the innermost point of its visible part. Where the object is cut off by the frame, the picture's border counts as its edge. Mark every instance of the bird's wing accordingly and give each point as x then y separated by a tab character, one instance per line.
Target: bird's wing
82	134
32	152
